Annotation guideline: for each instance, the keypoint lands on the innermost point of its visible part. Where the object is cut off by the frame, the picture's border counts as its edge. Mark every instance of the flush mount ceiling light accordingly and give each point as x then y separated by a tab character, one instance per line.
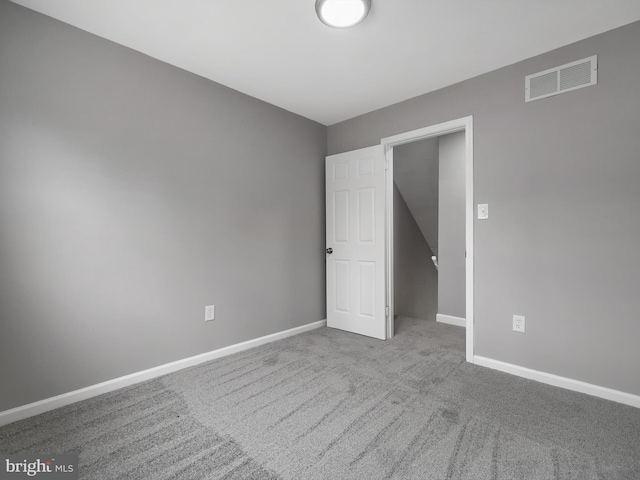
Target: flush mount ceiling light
342	13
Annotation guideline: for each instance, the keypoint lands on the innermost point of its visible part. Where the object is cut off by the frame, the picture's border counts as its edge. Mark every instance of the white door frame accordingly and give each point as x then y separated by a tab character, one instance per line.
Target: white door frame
464	124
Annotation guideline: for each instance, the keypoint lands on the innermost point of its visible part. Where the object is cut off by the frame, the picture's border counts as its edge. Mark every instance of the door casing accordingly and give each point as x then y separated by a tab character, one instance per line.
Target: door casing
464	124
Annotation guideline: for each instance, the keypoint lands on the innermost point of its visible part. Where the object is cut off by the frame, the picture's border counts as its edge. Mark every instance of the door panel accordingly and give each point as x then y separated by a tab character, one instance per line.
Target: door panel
366	215
342	285
341	220
355	183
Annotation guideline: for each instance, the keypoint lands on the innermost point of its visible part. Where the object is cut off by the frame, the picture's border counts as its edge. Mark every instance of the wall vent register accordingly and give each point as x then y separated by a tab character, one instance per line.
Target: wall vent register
565	78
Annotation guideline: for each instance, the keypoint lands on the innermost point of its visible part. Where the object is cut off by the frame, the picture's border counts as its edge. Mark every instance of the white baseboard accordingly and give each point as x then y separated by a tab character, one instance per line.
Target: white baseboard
562	382
36	408
451	320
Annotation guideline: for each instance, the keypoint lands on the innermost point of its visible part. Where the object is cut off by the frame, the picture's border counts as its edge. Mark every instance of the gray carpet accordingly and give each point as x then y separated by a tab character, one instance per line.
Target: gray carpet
332	405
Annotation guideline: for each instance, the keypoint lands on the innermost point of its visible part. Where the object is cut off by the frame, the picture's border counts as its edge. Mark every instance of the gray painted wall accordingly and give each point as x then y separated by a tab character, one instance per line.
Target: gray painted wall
561	178
415	172
132	194
451	231
415	277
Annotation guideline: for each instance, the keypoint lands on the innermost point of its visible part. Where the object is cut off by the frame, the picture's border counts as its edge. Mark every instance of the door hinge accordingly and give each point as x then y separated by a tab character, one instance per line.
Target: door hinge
386	311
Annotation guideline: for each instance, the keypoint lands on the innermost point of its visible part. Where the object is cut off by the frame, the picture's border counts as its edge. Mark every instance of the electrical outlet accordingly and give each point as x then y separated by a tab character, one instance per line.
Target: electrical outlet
518	323
209	313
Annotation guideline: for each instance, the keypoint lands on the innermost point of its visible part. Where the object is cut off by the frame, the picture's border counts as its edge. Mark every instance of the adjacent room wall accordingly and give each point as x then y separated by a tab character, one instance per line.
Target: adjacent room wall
415	276
415	172
430	177
451	229
560	176
132	194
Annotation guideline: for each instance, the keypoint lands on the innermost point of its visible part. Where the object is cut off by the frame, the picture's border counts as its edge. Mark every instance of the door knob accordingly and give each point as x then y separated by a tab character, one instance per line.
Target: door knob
329	251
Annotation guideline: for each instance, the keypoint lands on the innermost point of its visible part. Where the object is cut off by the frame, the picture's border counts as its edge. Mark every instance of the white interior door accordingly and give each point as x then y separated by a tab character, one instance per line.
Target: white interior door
355	183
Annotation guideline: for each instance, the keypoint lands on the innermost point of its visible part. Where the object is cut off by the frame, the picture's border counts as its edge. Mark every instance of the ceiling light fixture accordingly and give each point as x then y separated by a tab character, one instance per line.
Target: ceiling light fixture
342	13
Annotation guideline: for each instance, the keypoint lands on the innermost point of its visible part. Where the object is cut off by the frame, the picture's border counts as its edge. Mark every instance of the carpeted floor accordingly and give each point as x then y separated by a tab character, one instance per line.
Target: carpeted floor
332	405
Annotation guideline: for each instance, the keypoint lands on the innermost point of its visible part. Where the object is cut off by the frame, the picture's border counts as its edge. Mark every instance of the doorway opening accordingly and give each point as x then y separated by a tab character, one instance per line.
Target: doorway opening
460	256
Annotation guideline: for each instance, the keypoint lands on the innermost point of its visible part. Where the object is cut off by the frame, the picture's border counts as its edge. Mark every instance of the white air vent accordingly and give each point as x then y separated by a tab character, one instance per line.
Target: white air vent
561	79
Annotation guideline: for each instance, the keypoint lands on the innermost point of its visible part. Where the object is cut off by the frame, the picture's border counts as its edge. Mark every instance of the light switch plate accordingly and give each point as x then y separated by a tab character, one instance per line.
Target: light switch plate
483	211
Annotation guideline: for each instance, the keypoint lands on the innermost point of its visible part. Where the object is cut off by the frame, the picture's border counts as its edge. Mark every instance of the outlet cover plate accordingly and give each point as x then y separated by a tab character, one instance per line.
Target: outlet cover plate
518	323
209	313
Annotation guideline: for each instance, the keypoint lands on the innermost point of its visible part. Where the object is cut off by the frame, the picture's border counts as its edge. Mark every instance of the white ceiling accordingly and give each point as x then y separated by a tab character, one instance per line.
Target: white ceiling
278	51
